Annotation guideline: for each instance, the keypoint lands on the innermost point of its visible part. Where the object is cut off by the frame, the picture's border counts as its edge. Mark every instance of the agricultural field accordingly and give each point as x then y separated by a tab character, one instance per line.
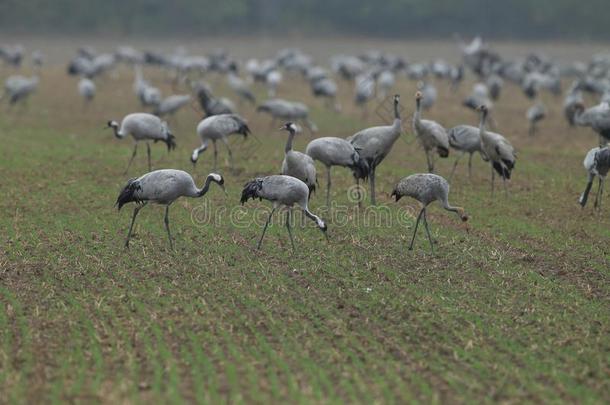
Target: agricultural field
514	309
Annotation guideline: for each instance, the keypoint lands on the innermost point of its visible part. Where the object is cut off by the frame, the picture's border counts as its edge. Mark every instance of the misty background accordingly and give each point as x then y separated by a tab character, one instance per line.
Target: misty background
509	19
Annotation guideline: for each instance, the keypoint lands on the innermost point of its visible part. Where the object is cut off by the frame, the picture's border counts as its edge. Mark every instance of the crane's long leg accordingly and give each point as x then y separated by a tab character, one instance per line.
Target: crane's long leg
470	166
505	186
372	179
430	164
148	152
215	156
358	196
457	160
598	195
133	220
493	178
260	241
288	212
169	234
328	186
428	231
415	230
133	155
226	142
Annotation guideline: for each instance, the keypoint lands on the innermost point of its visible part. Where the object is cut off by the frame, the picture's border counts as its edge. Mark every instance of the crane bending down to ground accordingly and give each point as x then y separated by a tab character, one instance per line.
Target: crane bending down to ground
374	144
219	127
282	191
162	187
500	152
426	188
597	163
143	127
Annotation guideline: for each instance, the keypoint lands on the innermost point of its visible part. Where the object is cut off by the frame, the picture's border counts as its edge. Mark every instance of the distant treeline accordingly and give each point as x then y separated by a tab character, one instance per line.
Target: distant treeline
579	19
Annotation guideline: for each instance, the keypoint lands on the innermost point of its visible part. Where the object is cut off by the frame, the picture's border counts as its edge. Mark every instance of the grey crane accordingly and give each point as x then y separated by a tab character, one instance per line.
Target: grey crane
500	152
210	104
162	187
597	163
285	110
465	139
331	151
298	164
239	85
428	94
365	90
282	191
171	104
426	188
327	88
373	144
597	117
431	135
19	88
535	114
273	79
385	82
218	128
143	127
86	88
571	102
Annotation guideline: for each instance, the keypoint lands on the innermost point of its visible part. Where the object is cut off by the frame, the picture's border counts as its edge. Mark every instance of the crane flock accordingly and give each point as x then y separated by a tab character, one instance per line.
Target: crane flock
372	76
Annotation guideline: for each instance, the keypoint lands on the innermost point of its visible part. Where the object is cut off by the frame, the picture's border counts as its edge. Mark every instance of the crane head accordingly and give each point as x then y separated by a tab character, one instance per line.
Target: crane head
290	127
419	95
483	109
218	179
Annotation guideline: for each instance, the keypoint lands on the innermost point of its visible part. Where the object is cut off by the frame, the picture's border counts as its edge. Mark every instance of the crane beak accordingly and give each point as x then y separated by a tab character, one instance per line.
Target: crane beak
222	186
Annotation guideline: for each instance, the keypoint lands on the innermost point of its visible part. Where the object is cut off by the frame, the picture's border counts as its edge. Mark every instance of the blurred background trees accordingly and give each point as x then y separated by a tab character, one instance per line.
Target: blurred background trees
584	19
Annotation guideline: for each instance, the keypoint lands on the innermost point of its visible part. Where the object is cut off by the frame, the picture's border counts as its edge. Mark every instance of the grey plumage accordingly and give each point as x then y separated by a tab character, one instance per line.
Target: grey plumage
332	151
500	152
426	188
281	191
210	104
285	110
465	139
571	102
597	163
86	88
19	88
171	104
239	86
431	135
374	144
535	114
596	117
298	164
218	128
143	127
162	187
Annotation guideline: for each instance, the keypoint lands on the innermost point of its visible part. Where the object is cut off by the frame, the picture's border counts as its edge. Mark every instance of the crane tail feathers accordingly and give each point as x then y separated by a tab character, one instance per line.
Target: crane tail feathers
128	194
503	170
251	190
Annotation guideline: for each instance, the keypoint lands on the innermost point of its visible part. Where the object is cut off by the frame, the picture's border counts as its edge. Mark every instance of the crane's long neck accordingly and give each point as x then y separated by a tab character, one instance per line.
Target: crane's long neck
458	210
289	142
417	114
397	122
205	188
117	132
482	131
